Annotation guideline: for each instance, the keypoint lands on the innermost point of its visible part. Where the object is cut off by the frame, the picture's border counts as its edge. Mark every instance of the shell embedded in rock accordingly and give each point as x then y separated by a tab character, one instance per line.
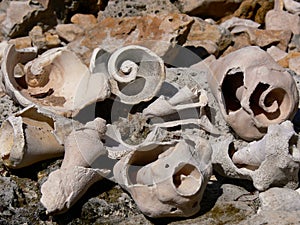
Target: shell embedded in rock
272	161
135	73
166	180
56	80
33	135
253	91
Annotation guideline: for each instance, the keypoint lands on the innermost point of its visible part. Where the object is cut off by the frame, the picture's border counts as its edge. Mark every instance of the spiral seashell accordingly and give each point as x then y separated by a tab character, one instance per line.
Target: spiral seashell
56	80
166	180
135	73
253	91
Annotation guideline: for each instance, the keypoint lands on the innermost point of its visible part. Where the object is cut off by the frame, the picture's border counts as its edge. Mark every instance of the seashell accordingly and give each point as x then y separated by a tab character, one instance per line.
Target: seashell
252	91
166	180
279	199
33	135
64	187
83	148
272	161
180	101
292	6
135	73
49	80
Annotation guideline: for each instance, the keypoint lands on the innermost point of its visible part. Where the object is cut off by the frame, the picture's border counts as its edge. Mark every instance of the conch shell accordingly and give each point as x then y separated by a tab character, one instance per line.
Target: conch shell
252	91
272	161
135	73
166	180
33	135
83	147
57	80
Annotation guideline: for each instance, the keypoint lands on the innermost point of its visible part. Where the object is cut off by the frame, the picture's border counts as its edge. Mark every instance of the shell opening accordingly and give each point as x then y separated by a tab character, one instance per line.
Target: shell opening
187	179
269	106
232	88
6	140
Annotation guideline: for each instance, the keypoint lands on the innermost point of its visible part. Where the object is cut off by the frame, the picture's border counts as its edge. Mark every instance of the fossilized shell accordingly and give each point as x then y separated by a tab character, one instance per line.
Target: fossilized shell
166	180
83	148
272	161
252	91
135	72
56	80
33	135
65	186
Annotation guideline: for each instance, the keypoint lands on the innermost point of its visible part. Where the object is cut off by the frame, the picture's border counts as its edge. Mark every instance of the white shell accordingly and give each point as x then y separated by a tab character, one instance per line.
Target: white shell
135	73
253	91
33	135
57	80
66	185
166	180
277	164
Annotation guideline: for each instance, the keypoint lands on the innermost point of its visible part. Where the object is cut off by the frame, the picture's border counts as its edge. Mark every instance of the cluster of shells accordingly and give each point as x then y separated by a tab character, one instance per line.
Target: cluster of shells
165	173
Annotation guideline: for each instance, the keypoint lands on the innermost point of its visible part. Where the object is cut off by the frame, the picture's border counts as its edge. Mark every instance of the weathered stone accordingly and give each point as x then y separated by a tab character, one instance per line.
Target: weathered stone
69	32
118	9
23	16
235	22
37	37
213	38
157	33
294	64
281	20
239	41
22	42
294	44
255	10
208	8
52	40
84	20
264	38
284	62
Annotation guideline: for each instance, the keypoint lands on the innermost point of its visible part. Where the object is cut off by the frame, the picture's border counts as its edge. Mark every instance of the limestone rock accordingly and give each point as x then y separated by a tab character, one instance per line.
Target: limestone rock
276	53
21	42
209	8
129	8
154	32
84	20
69	32
284	62
213	38
294	64
281	20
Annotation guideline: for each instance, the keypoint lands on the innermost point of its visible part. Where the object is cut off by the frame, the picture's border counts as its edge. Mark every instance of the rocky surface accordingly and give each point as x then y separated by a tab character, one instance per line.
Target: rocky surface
159	25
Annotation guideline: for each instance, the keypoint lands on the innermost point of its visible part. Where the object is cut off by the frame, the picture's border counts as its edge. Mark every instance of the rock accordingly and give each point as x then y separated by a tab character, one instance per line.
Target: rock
22	42
294	64
52	40
276	53
84	21
265	38
215	9
280	199
233	23
284	62
130	8
255	10
22	16
281	20
213	38
239	41
294	44
152	31
69	32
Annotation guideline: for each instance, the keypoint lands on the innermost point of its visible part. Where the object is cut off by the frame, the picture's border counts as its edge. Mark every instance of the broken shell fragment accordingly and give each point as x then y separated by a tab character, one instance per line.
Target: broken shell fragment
272	161
65	186
56	80
252	91
166	180
135	73
33	135
83	149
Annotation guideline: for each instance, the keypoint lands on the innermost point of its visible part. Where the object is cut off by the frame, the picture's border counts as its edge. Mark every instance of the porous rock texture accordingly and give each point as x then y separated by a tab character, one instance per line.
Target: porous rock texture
162	26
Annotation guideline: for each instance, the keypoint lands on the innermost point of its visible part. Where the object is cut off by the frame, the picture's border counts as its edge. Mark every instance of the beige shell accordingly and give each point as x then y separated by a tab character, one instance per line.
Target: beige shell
56	80
33	135
272	161
83	148
166	180
253	91
135	73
